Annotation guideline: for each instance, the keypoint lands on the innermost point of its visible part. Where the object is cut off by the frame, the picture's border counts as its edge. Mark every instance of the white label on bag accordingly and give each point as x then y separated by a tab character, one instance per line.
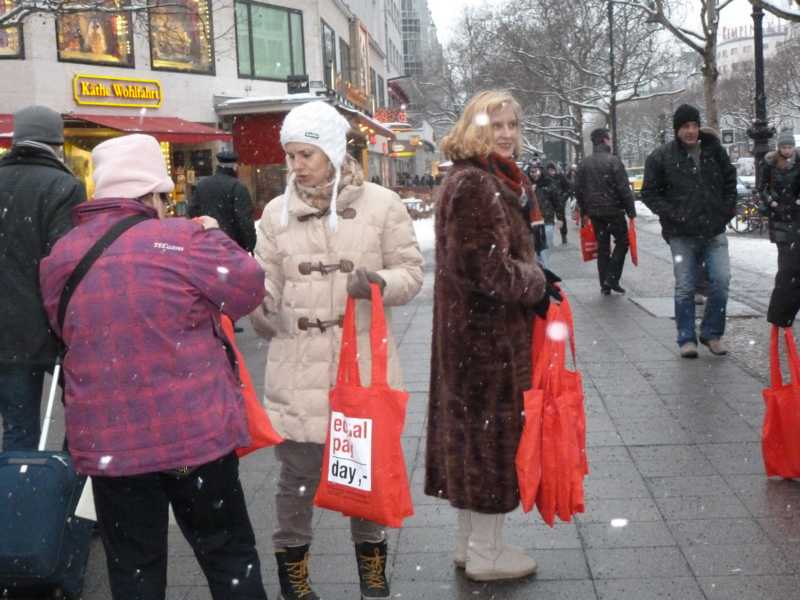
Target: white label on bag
350	460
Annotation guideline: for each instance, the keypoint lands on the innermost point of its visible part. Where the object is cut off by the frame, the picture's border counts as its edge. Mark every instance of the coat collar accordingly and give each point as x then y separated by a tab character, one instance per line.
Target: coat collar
347	196
110	207
29	155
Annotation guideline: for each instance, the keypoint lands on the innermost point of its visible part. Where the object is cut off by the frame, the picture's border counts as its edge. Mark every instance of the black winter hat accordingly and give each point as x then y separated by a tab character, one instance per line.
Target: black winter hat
38	124
685	113
227	156
598	135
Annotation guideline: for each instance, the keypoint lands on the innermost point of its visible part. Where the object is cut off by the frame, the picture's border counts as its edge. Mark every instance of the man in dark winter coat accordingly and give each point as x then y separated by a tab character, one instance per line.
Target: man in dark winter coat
690	184
223	197
779	186
563	188
37	193
604	195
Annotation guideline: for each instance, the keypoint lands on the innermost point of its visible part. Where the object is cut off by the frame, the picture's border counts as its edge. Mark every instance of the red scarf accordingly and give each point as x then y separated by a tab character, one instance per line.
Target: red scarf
505	169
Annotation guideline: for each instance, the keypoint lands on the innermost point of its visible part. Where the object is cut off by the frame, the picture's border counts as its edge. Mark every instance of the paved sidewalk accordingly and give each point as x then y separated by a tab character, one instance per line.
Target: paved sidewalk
674	454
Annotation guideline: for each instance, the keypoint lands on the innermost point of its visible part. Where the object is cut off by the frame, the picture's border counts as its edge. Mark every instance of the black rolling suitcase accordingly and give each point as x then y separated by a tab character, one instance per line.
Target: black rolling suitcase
44	548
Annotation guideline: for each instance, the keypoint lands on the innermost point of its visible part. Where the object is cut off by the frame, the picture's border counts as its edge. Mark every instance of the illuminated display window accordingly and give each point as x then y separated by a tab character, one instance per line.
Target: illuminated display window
11	42
96	37
182	36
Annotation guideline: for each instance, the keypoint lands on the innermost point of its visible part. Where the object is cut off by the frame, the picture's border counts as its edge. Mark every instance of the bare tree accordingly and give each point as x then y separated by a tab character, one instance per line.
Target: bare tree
786	11
703	42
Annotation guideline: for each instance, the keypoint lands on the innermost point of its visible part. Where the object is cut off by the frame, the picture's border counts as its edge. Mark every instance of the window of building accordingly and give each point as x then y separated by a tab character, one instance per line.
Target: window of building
328	55
373	84
182	36
381	92
101	38
344	60
11	40
270	41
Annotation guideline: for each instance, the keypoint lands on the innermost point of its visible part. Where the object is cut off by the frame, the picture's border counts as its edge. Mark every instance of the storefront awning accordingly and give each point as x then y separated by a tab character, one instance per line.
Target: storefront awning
365	123
165	129
6	130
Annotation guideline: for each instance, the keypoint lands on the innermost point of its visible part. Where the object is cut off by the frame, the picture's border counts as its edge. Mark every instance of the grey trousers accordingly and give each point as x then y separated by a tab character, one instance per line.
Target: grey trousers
301	466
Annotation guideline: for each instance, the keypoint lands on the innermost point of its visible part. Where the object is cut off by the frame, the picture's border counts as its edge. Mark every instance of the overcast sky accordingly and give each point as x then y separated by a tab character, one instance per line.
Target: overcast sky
447	12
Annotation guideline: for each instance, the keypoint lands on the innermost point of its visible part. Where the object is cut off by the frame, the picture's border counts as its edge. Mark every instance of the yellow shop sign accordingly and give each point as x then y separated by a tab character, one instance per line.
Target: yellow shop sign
101	90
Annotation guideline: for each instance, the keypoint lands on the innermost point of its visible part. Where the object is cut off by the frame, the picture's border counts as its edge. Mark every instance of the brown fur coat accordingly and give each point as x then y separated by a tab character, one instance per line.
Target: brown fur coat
487	279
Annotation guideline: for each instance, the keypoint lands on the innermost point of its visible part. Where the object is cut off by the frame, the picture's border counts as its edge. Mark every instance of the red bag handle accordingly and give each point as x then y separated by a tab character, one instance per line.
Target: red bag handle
379	342
551	353
775	360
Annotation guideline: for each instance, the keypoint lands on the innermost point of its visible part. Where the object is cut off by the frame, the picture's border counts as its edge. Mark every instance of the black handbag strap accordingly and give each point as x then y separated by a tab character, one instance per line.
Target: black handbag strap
88	260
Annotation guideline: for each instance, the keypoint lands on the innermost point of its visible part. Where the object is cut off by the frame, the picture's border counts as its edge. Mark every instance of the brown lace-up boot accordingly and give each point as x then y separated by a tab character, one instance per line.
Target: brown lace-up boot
293	574
372	570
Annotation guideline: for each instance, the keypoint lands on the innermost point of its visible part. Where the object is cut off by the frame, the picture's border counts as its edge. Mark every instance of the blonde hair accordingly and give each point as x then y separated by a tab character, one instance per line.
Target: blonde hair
472	136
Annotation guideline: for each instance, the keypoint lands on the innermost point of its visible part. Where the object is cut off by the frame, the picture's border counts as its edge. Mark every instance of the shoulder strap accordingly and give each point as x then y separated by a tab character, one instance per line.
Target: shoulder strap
88	260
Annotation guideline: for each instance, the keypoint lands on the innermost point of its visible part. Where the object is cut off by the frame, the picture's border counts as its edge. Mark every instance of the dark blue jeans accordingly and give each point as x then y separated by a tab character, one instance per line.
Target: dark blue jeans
20	406
712	255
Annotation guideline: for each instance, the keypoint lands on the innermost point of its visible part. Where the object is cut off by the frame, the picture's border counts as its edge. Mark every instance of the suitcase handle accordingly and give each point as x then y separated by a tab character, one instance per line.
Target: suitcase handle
50	401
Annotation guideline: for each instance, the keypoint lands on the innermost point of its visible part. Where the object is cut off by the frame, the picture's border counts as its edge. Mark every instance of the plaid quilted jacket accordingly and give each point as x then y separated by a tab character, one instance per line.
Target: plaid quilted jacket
149	385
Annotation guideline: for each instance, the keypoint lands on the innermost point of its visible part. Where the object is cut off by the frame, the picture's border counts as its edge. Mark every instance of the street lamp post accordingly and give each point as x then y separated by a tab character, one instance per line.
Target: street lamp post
760	131
612	105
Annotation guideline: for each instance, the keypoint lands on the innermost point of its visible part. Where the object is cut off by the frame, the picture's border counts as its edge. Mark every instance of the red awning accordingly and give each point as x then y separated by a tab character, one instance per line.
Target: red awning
6	130
165	129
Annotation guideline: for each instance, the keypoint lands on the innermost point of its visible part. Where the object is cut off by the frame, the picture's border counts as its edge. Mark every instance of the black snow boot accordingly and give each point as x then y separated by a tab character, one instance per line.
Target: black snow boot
372	570
293	574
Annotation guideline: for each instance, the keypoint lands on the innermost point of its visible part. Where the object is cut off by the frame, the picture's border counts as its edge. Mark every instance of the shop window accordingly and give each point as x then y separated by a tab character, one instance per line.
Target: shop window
328	55
101	38
269	41
11	44
181	36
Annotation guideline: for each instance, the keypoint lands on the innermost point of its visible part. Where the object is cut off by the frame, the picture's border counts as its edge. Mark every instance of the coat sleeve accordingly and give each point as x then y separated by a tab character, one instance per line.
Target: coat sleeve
478	228
728	180
193	207
243	216
224	273
654	186
580	178
623	186
59	220
402	259
265	317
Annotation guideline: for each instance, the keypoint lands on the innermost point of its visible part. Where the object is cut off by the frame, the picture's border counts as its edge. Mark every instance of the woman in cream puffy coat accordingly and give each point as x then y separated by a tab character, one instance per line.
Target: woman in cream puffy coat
330	234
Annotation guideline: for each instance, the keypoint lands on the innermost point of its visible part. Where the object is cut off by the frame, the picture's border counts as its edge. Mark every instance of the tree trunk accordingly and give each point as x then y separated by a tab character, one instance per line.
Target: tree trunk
579	153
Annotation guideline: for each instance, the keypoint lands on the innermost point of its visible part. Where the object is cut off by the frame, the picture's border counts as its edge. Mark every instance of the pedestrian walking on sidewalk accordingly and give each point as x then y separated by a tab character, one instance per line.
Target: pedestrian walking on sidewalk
690	184
563	190
487	287
226	199
548	196
37	193
153	405
329	235
780	200
604	196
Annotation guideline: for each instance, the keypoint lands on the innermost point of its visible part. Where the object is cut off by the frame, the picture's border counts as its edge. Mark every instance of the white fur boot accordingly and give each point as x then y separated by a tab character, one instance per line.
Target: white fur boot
488	559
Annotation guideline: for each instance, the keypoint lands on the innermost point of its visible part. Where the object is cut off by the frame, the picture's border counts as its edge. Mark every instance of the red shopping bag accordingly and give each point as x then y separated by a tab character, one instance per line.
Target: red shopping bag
363	470
528	459
262	435
632	241
588	241
780	434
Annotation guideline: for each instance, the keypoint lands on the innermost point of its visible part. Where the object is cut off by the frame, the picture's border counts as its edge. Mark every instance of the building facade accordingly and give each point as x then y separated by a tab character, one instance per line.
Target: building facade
201	74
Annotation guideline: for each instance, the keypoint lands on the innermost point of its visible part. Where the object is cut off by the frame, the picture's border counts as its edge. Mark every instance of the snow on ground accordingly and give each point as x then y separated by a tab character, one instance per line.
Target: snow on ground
426	236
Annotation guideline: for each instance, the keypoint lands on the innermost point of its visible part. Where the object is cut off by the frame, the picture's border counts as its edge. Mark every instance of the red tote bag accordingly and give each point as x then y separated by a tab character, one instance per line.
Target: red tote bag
363	470
780	434
588	240
262	435
632	242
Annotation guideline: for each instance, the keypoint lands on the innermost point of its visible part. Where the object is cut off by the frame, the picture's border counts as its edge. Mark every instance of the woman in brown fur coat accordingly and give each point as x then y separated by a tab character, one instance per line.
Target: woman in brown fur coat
488	286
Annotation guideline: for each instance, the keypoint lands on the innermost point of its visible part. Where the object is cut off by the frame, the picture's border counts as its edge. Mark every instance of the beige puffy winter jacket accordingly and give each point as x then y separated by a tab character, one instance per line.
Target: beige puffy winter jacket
375	232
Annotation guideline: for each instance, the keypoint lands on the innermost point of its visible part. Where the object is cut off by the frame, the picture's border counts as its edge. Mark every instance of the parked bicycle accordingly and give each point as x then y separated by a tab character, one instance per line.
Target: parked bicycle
748	219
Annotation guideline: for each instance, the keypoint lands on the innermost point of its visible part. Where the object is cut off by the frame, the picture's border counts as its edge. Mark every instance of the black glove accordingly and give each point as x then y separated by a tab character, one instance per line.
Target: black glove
551	291
358	283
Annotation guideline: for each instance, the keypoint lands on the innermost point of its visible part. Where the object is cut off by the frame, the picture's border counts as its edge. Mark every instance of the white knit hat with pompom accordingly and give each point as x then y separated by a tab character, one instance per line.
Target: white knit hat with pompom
318	124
